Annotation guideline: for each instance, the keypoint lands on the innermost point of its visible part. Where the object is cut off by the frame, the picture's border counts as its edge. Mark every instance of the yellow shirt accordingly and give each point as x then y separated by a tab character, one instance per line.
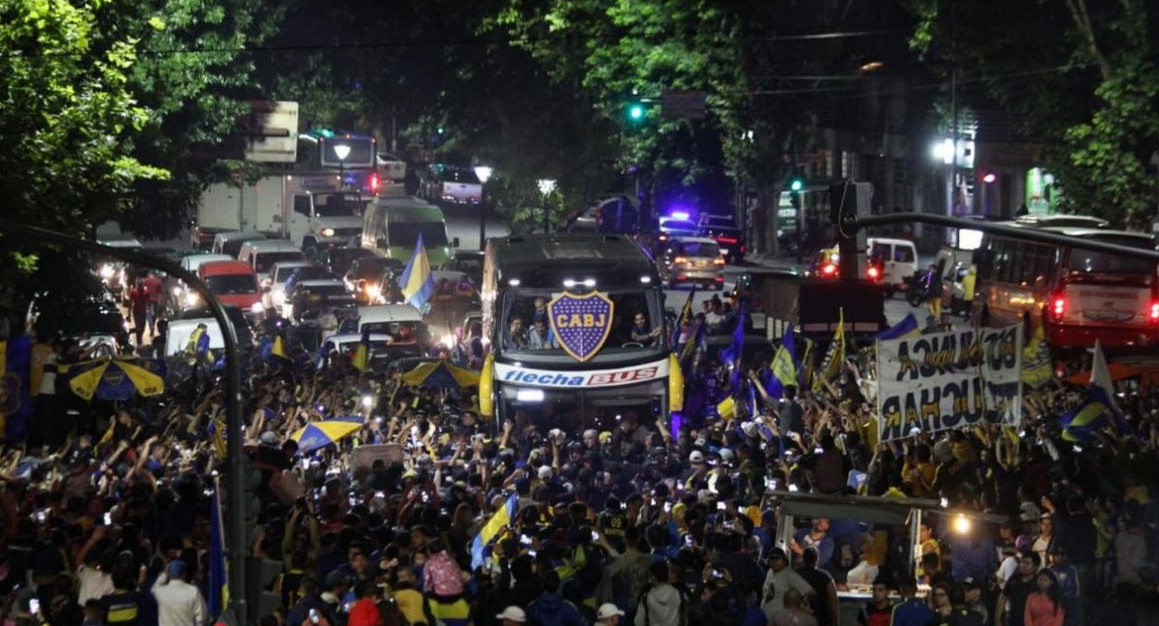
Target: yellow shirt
410	604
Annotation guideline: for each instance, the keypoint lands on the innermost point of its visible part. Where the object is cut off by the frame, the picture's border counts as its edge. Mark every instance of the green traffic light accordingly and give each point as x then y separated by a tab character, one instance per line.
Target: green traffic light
796	184
636	111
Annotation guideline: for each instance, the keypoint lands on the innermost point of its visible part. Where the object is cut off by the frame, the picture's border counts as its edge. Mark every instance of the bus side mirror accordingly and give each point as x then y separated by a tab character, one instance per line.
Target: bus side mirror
455	242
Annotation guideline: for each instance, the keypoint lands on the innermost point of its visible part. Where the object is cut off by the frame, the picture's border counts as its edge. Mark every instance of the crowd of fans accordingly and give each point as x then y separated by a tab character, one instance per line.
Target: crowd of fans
105	514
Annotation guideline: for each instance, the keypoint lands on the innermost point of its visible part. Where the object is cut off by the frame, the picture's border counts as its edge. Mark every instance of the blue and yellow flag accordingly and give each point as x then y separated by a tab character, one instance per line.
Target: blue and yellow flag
835	356
1099	410
726	408
1036	363
15	401
783	368
417	282
502	518
361	360
907	328
732	355
218	574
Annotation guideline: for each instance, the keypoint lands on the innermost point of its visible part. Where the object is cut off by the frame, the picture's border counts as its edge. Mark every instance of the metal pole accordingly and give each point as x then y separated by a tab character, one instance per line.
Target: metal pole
483	216
238	525
998	228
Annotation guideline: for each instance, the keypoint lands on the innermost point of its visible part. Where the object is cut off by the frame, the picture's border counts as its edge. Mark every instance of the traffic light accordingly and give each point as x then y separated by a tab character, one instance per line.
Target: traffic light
636	111
796	183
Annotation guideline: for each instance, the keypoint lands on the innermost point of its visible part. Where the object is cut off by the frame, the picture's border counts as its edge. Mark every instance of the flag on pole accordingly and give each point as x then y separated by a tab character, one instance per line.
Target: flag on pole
499	520
731	355
908	327
685	315
783	368
361	360
1036	363
218	576
835	356
726	408
1099	410
417	282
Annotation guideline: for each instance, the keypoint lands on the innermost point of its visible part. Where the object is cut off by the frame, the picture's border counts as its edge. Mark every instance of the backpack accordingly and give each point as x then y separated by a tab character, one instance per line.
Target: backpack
442	575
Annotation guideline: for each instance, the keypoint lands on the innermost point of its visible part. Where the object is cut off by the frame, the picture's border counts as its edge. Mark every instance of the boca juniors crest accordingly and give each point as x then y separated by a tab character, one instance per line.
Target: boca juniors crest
581	324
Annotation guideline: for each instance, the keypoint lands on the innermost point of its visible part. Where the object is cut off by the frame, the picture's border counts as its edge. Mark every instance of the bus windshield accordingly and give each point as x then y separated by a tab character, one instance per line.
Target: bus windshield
526	333
407	233
338	205
1089	262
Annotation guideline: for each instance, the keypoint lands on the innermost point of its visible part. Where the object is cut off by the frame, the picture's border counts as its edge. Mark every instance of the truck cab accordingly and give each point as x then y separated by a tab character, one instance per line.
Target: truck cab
321	213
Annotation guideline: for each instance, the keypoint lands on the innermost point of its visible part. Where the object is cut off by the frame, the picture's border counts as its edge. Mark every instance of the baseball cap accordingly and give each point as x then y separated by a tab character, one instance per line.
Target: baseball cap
514	614
696	457
607	610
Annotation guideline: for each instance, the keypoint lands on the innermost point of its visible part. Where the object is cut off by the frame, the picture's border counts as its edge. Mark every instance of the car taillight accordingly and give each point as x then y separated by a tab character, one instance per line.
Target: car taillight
829	269
372	182
1058	306
873	273
726	239
1154	313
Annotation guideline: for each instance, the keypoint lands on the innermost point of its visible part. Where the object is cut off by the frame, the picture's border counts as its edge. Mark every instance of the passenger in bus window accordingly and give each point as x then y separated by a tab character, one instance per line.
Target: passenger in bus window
516	336
642	331
540	311
540	337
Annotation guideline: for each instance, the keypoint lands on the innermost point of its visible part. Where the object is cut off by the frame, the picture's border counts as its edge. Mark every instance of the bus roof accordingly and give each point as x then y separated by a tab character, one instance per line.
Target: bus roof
592	248
549	261
1100	233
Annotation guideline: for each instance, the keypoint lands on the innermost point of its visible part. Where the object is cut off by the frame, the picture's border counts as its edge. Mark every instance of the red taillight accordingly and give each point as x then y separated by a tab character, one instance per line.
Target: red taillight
1058	306
372	182
873	272
1154	313
829	269
727	239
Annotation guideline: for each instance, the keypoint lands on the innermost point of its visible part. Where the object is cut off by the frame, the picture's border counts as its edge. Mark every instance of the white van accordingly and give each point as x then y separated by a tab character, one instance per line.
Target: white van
261	254
899	260
402	322
230	242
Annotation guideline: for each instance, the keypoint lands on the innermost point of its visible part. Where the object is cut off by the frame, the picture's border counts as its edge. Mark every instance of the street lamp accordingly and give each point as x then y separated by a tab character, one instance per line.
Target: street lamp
341	151
483	173
546	186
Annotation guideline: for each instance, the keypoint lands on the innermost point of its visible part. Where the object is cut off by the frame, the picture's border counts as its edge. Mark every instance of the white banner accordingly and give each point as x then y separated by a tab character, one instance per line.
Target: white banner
948	380
573	379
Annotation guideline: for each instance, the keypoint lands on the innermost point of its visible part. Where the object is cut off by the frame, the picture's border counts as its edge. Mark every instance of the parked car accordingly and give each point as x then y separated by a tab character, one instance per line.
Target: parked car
232	282
449	184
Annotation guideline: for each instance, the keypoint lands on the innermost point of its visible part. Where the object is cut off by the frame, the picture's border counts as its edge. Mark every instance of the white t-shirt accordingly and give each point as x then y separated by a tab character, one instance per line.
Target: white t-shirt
778	583
94	584
48	379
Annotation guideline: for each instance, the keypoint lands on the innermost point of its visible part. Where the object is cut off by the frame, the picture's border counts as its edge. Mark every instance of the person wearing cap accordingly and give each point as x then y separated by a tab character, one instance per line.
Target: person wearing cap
512	615
974	603
1045	539
178	602
779	579
608	615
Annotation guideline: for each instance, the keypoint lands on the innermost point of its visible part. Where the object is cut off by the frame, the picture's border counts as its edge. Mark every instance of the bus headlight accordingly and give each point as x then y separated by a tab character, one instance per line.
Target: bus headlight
327	232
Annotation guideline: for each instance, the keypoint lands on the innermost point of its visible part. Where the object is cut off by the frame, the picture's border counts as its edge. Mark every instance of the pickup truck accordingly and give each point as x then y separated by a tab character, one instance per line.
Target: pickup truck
452	185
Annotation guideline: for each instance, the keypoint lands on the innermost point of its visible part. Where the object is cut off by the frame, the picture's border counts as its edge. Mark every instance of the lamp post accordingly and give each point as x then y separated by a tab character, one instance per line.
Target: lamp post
546	186
483	173
341	151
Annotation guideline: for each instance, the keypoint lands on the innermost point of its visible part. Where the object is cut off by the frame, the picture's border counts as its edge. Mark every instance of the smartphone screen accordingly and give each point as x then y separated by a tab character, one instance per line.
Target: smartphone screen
720	506
595	536
34	606
108	519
